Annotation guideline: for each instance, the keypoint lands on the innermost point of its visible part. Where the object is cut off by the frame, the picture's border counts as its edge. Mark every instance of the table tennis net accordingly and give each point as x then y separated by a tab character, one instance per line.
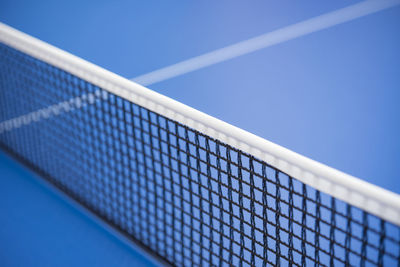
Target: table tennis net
187	198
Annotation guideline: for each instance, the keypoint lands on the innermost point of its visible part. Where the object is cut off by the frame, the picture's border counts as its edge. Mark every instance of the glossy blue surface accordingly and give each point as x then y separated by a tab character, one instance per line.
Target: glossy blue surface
39	228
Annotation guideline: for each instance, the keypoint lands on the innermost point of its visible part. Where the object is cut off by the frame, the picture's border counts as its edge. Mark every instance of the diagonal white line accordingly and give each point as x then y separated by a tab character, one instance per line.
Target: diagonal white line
245	47
53	110
266	40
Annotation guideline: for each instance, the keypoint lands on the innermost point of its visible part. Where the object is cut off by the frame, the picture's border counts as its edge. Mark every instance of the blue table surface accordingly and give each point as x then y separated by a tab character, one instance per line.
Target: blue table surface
331	95
39	228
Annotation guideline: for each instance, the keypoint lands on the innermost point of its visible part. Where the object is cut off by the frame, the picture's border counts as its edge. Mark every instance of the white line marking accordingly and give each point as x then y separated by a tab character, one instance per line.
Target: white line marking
53	110
266	40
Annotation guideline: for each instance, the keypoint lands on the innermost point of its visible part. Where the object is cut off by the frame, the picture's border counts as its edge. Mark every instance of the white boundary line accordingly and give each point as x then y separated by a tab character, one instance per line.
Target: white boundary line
371	198
53	110
266	40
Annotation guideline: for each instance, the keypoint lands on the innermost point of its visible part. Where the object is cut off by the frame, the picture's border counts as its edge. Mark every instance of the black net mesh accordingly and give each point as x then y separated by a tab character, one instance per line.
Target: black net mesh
188	198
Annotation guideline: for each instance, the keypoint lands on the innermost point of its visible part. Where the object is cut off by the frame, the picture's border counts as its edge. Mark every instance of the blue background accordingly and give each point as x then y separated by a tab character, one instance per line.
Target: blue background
39	228
332	95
